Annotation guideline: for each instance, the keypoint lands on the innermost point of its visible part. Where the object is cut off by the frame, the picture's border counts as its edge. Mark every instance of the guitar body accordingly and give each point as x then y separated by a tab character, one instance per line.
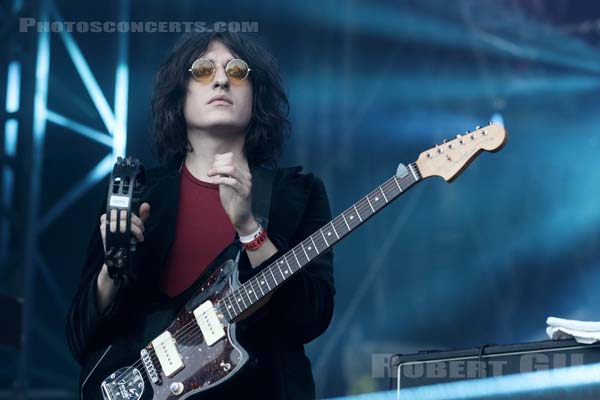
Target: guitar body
119	371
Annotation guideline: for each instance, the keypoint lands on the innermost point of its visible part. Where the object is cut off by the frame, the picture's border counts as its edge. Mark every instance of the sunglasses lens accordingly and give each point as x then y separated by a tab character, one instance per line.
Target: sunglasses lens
203	70
237	69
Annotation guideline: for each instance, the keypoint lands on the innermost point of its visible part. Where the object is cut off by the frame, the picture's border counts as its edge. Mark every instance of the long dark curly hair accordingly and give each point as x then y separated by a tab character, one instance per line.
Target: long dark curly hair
269	125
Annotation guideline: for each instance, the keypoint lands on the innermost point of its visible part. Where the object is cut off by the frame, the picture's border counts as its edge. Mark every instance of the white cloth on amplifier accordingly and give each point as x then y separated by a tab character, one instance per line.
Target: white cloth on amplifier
586	332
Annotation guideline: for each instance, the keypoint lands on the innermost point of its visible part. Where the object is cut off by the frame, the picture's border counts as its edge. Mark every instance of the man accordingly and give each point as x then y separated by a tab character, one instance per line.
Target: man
219	113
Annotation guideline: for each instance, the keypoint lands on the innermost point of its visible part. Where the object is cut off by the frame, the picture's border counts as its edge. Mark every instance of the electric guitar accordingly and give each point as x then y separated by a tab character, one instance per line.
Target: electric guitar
198	352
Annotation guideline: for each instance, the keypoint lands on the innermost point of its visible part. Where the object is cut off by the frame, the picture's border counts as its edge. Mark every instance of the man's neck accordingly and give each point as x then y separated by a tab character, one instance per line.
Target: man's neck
206	145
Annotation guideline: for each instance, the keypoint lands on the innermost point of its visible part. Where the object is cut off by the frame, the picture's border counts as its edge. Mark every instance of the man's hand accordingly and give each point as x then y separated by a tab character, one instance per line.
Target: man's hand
137	223
233	176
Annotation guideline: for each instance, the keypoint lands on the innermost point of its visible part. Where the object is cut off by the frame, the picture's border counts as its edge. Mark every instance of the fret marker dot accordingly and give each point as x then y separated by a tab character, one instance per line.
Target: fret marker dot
309	247
352	216
250	291
286	271
281	262
239	299
328	233
376	198
228	306
262	282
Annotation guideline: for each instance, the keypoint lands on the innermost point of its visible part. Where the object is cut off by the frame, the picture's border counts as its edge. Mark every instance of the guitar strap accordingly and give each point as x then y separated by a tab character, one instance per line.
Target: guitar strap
262	187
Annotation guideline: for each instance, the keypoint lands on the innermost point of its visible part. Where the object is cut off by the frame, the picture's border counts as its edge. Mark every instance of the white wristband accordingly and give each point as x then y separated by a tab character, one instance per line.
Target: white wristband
252	236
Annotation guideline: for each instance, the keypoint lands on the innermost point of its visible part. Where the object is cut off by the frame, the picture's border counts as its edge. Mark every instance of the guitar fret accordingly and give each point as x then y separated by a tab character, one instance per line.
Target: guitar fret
314	245
327	243
236	303
385	198
357	213
252	290
305	253
241	298
229	315
397	184
346	222
334	231
370	205
299	265
260	283
267	279
230	306
272	274
279	266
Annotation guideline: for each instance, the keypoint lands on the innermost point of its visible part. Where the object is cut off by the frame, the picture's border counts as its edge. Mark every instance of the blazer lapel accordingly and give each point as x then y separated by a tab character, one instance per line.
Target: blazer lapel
163	197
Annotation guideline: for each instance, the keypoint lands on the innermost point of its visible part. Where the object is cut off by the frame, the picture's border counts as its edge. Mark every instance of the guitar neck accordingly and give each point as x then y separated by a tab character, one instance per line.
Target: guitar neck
273	276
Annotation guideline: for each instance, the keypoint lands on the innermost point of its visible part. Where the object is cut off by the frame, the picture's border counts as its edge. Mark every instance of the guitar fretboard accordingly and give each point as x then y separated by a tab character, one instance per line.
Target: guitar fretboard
273	276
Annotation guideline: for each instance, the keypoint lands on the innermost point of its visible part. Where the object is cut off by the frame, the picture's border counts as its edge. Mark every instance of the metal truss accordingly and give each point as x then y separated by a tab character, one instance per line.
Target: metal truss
24	122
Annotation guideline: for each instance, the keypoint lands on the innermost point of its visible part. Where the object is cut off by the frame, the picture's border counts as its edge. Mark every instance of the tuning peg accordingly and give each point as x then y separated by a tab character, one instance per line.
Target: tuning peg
477	127
490	123
445	140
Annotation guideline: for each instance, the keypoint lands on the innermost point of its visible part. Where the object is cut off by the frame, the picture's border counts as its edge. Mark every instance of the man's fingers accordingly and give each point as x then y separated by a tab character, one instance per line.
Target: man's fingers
137	232
113	220
123	224
229	171
136	221
233	183
145	211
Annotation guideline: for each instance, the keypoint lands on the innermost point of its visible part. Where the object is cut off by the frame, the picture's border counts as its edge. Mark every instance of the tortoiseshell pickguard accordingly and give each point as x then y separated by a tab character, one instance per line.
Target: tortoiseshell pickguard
205	367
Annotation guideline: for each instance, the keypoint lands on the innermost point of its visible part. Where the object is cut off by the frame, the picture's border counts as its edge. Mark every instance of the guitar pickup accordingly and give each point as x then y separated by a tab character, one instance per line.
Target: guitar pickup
167	353
209	323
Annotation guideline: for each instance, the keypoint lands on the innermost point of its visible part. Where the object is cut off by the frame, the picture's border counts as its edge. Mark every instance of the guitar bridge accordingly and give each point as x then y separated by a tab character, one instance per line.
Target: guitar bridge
149	366
125	384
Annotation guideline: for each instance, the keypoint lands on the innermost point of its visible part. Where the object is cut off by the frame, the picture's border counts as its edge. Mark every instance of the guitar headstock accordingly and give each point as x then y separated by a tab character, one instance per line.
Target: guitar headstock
449	159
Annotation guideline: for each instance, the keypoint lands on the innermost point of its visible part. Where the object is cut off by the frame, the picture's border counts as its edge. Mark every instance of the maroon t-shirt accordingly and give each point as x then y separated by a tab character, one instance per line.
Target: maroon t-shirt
203	230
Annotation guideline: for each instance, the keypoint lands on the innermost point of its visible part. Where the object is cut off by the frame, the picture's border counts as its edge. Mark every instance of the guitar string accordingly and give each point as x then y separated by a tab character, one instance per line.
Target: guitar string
188	331
254	283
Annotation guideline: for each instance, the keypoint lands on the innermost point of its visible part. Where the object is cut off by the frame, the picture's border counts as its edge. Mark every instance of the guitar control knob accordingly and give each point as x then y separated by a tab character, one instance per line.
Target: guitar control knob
226	366
176	388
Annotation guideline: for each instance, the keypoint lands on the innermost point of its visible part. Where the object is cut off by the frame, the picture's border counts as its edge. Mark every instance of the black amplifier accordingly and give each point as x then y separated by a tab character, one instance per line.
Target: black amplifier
561	369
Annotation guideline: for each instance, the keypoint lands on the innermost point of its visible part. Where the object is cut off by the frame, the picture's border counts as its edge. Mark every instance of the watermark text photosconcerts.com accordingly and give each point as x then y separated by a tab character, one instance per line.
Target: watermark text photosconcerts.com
33	25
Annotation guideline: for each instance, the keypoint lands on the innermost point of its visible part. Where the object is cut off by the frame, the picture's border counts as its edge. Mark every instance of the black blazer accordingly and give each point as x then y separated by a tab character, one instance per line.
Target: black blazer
297	313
